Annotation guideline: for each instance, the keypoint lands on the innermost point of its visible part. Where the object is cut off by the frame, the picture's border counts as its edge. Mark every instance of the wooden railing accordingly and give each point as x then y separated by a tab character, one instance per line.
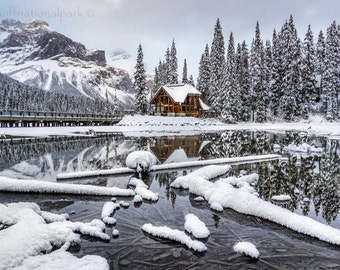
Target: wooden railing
14	116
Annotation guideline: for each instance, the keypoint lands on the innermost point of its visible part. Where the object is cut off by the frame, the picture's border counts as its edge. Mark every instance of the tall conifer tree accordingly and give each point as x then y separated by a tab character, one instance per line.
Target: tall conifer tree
141	102
217	60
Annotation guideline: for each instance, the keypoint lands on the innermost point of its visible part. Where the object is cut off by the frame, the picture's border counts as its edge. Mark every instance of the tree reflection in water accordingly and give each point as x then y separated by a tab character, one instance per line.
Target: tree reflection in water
310	178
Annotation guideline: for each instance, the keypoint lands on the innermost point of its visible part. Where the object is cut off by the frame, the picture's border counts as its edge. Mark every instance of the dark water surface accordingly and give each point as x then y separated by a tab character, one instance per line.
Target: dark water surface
310	177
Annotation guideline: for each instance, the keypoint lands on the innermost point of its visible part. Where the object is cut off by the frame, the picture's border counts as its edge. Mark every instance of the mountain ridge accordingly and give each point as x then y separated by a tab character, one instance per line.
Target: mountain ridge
38	56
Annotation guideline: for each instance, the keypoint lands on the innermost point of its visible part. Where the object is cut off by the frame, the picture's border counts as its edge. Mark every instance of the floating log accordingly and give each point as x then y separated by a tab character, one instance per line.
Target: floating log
170	166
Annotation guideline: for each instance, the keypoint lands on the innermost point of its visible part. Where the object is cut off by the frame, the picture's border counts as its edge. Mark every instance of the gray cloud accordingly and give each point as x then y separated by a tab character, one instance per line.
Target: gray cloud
123	24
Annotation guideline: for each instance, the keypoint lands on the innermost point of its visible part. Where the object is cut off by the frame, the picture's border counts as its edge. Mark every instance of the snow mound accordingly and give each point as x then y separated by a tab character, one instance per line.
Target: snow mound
245	201
16	185
141	161
61	259
142	190
173	234
27	234
247	248
107	210
195	226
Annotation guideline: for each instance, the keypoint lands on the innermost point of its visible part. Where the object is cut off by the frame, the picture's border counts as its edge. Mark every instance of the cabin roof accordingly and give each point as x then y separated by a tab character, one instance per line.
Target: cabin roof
179	92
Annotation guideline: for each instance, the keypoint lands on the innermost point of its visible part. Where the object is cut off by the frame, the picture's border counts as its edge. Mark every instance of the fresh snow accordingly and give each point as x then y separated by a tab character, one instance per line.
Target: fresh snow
245	201
205	173
142	190
61	259
143	125
175	235
247	248
27	234
195	226
108	209
281	197
16	185
141	161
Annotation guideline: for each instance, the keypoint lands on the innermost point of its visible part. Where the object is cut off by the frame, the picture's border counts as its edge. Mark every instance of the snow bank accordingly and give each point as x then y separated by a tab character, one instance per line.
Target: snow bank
195	226
27	234
247	248
61	259
245	202
141	161
16	185
173	234
142	190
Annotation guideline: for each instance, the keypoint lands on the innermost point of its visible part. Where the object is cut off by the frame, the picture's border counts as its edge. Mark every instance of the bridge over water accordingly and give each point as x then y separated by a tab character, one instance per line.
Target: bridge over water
16	118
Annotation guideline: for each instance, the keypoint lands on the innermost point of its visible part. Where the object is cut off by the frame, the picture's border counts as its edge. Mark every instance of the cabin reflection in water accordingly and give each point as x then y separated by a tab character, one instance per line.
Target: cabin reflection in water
177	148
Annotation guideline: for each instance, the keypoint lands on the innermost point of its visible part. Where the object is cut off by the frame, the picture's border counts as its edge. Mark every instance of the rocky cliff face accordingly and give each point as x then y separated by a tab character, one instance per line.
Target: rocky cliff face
34	54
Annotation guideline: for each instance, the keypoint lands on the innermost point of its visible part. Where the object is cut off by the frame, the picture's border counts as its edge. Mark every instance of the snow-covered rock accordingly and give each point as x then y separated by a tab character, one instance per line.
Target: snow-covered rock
141	161
195	226
247	248
27	234
174	234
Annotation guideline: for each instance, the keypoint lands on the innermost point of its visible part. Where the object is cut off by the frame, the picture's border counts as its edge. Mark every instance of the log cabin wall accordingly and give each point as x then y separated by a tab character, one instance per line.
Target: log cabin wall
165	105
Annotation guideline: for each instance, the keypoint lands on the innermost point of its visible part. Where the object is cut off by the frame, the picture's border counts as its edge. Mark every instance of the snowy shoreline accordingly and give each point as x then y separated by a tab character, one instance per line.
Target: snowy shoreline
140	125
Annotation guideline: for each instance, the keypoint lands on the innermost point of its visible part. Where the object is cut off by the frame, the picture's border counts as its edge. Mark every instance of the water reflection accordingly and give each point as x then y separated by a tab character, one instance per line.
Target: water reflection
308	170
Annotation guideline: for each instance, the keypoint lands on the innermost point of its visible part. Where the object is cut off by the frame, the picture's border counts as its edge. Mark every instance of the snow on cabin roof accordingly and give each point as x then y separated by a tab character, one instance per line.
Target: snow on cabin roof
178	92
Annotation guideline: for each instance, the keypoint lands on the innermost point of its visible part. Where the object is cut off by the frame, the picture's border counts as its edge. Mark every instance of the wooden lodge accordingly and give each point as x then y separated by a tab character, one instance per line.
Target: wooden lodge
178	100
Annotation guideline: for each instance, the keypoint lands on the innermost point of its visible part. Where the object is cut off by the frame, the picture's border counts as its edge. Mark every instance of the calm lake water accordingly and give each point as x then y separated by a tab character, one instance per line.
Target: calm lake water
308	171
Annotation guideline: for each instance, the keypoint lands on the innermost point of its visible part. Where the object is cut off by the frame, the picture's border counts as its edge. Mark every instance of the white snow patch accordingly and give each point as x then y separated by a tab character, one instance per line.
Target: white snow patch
16	185
107	210
247	248
281	197
205	173
61	259
115	232
195	226
141	161
28	234
216	206
137	199
174	234
199	199
142	190
243	201
251	178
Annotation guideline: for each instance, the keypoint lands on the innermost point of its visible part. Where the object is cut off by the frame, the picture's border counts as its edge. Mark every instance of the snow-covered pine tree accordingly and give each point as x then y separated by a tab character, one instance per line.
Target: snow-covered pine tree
191	80
320	61
309	93
291	65
268	66
257	73
166	67
173	65
141	102
229	104
204	74
331	80
244	81
185	72
217	60
276	75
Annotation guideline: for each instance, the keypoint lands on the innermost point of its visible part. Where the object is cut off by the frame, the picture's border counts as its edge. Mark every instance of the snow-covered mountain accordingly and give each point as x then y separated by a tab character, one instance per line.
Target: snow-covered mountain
123	60
34	54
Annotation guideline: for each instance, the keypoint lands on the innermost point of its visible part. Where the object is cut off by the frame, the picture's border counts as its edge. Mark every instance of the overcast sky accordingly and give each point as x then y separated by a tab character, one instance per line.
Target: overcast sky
123	24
